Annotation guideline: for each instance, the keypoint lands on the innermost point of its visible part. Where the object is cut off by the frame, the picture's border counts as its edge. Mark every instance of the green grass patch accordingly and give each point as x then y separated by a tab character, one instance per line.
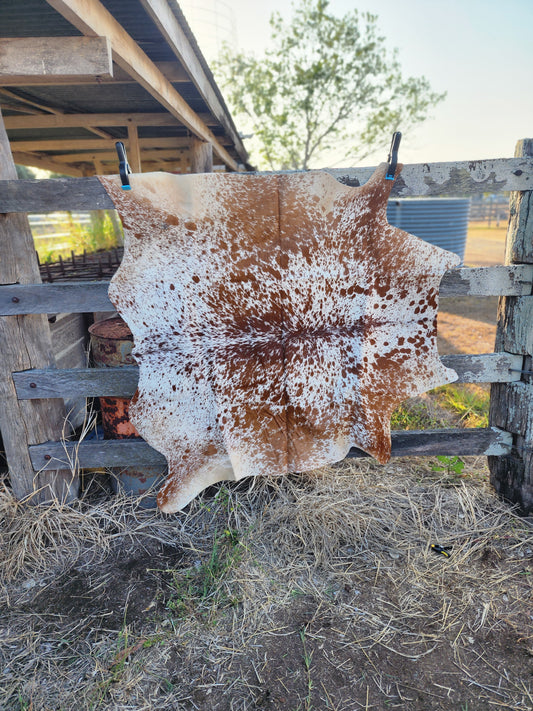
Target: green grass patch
200	590
414	414
469	402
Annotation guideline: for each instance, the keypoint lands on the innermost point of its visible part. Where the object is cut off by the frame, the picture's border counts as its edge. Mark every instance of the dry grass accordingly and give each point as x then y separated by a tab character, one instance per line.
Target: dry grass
316	591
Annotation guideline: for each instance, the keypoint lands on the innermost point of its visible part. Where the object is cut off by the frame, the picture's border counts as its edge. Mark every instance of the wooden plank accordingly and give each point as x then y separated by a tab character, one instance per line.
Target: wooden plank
94	19
69	343
53	195
488	281
122	453
512	405
47	108
96	144
167	23
91	382
171	70
75	297
484	368
65	330
26	61
148	154
25	343
24	195
461	178
42	121
84	297
122	382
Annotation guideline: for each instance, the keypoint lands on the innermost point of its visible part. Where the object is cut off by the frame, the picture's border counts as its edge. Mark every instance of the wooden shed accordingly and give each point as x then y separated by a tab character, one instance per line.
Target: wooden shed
77	76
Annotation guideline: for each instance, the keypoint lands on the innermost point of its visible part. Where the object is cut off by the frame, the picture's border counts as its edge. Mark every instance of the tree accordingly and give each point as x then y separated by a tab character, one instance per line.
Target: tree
326	83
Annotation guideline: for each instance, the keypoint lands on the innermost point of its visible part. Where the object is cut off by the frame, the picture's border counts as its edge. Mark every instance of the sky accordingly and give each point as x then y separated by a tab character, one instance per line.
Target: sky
479	51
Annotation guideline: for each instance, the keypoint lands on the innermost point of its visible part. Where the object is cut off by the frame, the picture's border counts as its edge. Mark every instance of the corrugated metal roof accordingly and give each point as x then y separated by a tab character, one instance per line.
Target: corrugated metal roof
37	18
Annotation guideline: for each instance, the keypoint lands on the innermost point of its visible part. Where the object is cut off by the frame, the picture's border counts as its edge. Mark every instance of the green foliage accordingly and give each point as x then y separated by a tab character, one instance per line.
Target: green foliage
307	659
199	591
414	415
471	403
451	466
326	82
25	173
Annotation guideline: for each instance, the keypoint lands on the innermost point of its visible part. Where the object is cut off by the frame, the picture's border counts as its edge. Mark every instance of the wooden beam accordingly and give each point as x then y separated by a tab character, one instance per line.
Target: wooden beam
95	144
123	453
134	149
50	109
177	40
86	120
25	342
105	156
171	70
30	59
93	19
38	161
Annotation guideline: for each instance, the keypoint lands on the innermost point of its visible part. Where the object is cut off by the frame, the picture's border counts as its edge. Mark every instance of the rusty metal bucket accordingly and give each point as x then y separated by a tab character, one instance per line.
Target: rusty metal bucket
111	346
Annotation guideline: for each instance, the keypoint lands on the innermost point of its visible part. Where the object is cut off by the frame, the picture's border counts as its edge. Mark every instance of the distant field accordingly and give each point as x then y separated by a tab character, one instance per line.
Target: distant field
485	246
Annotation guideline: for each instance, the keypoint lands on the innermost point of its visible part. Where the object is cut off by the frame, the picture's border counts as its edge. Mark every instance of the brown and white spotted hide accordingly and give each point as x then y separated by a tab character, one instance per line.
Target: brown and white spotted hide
278	321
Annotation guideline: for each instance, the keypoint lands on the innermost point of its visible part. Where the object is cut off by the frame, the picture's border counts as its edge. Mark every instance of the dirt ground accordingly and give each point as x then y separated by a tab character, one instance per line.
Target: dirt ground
306	593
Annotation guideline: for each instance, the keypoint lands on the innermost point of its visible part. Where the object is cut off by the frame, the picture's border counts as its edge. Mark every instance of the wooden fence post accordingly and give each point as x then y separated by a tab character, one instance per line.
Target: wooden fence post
25	343
511	406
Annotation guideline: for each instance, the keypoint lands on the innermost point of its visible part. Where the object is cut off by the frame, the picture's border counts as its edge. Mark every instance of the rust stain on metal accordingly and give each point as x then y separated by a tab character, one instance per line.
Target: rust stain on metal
278	321
111	347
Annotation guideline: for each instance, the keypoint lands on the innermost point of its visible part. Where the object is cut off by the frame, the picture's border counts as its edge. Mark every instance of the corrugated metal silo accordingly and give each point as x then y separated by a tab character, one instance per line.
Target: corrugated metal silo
439	221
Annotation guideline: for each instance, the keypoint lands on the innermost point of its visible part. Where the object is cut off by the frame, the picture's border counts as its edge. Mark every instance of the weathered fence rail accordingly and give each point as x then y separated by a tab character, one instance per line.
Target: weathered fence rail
429	179
508	441
489	441
81	297
122	382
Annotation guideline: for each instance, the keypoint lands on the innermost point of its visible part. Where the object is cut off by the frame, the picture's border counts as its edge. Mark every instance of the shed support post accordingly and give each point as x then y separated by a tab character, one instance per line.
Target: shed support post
201	156
25	342
511	406
134	149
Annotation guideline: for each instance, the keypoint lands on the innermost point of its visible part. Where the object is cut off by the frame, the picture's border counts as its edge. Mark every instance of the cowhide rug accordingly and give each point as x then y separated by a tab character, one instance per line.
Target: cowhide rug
278	321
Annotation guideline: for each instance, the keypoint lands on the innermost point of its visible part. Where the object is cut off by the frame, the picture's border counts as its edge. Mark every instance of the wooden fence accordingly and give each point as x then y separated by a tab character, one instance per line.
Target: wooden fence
34	393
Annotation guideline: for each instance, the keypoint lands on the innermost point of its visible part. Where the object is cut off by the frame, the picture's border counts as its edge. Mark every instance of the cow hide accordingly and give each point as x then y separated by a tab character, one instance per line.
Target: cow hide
278	321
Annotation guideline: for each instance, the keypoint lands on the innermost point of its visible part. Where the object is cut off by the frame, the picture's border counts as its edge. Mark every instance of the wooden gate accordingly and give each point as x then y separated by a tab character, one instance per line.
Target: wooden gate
33	389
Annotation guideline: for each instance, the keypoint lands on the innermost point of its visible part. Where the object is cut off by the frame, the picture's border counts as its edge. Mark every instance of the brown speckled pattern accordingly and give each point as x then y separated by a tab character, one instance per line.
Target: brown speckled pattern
277	320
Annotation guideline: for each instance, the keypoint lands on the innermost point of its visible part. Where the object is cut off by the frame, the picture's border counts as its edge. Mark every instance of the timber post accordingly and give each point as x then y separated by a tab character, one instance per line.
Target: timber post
511	404
201	156
25	343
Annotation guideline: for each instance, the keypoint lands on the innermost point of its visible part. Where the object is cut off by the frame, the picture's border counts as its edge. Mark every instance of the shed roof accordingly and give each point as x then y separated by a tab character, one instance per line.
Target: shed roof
161	88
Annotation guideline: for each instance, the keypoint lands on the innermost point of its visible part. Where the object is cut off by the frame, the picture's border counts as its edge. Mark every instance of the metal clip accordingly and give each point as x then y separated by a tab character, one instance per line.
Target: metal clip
393	155
123	166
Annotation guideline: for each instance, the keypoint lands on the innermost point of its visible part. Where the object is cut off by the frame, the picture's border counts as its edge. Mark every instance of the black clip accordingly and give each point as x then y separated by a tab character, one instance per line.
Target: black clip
123	166
393	155
441	550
